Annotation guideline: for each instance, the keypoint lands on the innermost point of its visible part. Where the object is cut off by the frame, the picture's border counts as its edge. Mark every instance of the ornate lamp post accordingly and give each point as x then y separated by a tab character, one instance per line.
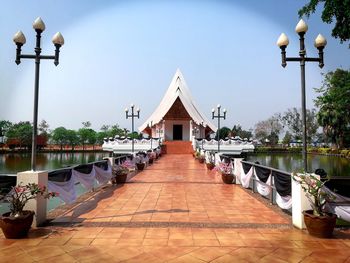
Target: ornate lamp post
132	116
320	43
150	125
20	40
218	116
1	137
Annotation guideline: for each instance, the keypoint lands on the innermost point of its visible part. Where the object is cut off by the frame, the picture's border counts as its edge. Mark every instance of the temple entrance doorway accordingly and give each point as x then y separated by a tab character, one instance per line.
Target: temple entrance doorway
177	132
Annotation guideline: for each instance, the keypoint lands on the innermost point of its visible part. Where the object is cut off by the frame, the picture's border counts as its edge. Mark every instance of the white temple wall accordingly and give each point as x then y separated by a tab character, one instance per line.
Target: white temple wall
169	129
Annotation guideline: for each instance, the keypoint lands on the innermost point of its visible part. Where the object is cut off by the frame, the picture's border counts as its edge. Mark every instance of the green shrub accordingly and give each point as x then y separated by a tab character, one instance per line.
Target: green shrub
345	152
324	150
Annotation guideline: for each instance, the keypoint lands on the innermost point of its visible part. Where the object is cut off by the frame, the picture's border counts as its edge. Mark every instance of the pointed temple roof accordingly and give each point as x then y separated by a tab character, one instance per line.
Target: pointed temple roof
177	90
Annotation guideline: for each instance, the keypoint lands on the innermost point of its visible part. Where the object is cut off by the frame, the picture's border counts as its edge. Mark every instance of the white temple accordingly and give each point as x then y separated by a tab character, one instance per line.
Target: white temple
179	126
177	118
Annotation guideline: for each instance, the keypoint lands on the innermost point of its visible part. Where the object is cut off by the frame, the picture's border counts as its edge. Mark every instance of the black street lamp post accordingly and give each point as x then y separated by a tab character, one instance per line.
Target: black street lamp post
20	40
320	43
132	116
151	123
218	116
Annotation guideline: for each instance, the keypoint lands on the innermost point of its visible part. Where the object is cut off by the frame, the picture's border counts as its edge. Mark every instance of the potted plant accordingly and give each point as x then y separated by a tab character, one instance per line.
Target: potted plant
122	171
318	222
17	222
151	157
210	162
201	158
225	169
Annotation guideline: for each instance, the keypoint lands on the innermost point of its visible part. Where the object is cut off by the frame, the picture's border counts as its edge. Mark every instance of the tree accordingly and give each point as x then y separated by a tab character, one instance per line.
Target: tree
5	126
338	10
224	132
20	134
238	131
287	138
86	124
72	138
86	135
334	105
292	119
59	136
268	129
116	130
104	128
43	128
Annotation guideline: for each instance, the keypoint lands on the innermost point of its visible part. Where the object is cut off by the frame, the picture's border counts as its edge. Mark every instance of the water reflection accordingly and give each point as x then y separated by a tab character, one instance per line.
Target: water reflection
13	163
334	166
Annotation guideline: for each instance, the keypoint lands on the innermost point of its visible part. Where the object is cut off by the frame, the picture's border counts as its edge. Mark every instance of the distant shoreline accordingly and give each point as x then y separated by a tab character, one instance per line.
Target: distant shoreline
56	149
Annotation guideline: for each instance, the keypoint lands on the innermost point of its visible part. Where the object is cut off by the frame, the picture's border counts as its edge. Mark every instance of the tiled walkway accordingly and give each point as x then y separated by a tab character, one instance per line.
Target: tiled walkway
174	211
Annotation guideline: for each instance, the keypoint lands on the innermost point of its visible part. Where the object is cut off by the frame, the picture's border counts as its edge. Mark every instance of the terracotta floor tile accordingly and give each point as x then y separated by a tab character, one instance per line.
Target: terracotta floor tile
102	241
10	251
232	242
206	242
210	253
130	241
44	252
79	241
144	257
181	242
155	242
227	258
157	233
251	254
64	258
87	253
186	259
19	258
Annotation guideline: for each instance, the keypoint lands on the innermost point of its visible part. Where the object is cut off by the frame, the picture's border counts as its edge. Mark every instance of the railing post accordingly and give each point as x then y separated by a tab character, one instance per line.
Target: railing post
39	204
300	203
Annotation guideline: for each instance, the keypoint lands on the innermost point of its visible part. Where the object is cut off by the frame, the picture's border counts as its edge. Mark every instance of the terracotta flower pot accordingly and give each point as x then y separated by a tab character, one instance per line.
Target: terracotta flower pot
140	166
319	226
228	178
210	166
150	161
16	227
121	178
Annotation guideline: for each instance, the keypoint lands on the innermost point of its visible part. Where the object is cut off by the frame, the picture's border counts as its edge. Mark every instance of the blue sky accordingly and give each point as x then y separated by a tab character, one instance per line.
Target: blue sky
122	52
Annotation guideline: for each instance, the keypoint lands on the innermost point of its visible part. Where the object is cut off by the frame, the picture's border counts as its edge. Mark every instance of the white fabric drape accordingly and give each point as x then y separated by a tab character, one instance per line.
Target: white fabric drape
284	202
103	176
87	180
66	190
245	177
237	169
263	189
342	211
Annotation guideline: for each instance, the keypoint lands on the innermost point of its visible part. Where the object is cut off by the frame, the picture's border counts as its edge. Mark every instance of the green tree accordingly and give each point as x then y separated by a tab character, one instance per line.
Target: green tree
292	119
21	132
334	105
224	132
238	131
337	11
59	136
5	126
72	138
87	135
287	138
116	130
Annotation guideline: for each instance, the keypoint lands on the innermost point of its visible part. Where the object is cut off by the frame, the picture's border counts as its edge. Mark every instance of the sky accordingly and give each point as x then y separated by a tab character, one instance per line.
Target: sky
122	52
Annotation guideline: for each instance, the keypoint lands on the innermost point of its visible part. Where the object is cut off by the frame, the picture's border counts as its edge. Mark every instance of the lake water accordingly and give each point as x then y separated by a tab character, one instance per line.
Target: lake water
292	162
17	162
